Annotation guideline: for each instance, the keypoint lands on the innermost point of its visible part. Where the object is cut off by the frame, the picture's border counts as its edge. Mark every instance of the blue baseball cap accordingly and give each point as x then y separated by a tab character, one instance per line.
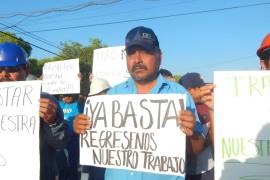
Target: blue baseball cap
142	36
191	80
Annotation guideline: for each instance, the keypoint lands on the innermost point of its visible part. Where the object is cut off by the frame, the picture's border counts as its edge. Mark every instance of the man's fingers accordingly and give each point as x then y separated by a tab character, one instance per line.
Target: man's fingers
187	124
187	131
82	123
186	116
47	103
82	127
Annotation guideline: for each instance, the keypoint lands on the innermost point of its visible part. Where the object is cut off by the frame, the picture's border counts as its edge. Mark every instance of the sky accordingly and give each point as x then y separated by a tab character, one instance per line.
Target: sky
195	35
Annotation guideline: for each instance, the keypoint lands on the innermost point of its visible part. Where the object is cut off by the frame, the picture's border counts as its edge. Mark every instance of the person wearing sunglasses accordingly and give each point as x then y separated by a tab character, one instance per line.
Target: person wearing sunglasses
53	131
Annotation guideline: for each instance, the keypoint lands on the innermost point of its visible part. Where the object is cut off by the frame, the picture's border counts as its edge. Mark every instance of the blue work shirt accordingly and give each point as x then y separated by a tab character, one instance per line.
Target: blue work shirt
163	86
70	110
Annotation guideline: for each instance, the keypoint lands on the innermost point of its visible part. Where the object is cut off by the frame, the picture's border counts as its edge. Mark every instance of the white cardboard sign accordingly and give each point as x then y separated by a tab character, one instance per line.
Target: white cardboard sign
110	64
19	130
135	132
242	125
61	77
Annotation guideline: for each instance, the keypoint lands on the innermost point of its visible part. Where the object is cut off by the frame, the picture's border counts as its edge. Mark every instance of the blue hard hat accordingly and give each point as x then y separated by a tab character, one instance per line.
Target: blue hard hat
12	55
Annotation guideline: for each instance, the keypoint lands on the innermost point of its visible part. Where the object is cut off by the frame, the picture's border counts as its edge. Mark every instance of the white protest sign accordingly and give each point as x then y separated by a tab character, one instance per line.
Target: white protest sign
110	64
136	132
61	77
242	125
19	130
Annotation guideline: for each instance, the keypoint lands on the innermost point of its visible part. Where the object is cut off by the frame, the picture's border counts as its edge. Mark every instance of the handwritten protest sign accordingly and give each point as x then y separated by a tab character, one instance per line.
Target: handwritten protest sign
110	64
19	130
61	77
136	132
242	125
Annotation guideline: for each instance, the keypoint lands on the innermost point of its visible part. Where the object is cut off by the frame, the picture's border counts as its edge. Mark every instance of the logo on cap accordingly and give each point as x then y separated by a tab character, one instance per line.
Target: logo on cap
147	36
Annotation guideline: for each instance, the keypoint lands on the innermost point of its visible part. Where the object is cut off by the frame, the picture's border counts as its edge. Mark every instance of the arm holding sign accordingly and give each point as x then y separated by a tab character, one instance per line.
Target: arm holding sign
52	124
207	97
187	122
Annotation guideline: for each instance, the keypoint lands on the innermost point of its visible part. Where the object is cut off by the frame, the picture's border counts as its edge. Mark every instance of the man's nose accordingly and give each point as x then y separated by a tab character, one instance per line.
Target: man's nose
138	56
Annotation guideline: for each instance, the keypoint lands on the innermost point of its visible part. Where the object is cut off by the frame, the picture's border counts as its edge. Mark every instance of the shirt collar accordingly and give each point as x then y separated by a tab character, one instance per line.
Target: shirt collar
161	83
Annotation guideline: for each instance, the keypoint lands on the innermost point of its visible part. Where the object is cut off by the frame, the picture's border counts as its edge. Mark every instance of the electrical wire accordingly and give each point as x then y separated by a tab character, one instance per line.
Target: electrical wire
152	18
47	20
22	31
31	44
67	9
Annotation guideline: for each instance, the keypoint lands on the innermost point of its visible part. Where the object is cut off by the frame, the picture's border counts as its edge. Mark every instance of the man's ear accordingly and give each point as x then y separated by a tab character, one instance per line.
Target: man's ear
190	90
263	67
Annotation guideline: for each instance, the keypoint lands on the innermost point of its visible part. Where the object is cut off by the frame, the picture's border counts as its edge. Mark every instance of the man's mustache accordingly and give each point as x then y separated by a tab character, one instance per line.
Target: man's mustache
138	66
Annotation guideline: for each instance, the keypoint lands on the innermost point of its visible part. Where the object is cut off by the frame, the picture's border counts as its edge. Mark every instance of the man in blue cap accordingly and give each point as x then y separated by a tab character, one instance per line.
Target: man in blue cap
53	132
202	164
143	62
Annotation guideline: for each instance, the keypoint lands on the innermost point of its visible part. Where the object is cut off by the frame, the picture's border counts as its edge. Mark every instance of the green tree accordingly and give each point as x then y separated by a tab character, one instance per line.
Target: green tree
177	77
10	37
33	67
72	50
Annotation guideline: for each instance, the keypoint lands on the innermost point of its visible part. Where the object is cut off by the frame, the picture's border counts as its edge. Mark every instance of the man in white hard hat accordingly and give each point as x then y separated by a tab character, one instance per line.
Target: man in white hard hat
98	87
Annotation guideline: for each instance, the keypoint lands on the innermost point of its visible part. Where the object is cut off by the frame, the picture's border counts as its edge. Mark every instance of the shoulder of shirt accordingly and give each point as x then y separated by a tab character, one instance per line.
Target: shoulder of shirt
118	88
173	86
177	88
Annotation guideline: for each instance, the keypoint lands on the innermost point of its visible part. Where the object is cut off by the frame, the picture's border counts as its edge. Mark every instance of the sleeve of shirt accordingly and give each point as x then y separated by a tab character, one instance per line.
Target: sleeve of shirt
55	135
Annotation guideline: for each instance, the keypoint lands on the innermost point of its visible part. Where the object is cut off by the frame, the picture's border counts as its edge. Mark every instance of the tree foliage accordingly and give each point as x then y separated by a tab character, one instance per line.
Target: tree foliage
177	77
72	50
10	37
69	50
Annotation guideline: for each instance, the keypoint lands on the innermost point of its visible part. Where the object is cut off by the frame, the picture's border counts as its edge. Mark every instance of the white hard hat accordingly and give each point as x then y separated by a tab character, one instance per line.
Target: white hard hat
98	85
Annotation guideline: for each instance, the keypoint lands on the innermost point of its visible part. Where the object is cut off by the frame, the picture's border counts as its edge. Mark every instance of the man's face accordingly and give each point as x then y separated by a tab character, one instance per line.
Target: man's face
16	73
68	99
142	65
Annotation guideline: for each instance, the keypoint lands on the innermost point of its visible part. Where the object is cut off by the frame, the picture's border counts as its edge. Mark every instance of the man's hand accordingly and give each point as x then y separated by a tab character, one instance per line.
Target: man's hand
186	121
48	110
207	95
81	123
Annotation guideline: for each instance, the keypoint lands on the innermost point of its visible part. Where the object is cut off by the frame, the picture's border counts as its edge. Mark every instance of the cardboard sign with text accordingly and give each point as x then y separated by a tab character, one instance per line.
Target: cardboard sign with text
242	125
19	130
135	132
110	64
61	77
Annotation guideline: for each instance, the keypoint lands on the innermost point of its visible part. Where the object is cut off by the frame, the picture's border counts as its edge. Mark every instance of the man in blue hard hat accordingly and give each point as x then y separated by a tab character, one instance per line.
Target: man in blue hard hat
53	131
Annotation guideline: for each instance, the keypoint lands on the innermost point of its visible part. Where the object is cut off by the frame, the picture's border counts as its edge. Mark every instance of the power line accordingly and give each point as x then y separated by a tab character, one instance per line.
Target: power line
66	9
22	31
31	44
152	18
53	16
47	20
